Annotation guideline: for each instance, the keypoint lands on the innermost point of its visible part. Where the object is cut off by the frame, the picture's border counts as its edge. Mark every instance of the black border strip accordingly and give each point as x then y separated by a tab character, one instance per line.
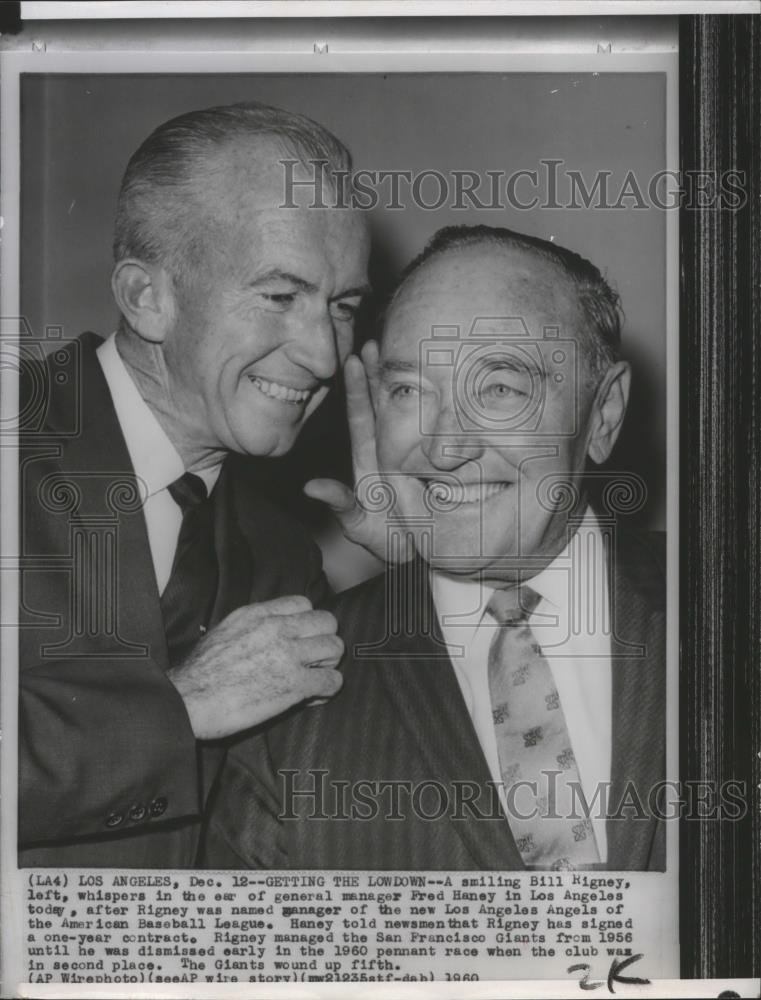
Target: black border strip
720	495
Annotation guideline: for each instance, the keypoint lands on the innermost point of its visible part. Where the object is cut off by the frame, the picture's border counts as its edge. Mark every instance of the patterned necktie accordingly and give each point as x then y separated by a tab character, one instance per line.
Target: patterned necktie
189	594
533	743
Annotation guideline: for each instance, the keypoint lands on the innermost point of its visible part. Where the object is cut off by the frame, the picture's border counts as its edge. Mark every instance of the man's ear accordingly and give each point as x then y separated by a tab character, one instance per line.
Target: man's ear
608	410
144	295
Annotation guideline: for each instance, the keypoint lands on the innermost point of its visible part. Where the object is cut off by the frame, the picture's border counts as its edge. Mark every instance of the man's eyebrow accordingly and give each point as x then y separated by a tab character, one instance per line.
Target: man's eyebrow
351	293
391	365
514	363
275	274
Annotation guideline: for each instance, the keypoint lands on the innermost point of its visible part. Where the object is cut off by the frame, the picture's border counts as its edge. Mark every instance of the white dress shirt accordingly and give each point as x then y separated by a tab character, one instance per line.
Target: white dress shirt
571	623
155	460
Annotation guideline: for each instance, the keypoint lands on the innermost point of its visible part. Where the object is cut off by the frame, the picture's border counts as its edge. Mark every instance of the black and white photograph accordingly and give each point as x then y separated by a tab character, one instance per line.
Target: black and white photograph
351	573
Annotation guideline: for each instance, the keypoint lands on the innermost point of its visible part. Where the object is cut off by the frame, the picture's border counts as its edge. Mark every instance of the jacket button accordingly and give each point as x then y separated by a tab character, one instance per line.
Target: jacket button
138	812
114	819
158	806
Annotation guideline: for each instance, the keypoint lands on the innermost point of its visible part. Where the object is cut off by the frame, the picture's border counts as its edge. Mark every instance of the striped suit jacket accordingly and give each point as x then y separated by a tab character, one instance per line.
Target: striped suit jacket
390	774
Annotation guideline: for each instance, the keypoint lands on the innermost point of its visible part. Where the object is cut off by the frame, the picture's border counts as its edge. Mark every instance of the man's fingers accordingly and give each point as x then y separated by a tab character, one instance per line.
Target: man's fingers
322	682
338	496
319	649
309	623
370	355
361	416
341	501
292	604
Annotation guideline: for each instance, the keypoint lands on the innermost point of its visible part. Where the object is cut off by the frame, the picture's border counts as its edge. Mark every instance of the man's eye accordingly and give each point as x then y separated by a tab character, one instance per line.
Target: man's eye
404	391
344	310
501	390
503	384
280	299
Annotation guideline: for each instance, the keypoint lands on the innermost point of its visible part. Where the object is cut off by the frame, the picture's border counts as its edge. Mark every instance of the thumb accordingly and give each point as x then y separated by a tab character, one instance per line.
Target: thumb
338	496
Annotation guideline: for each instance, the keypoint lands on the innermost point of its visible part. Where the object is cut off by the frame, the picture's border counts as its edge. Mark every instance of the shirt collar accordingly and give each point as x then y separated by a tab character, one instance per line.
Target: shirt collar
155	459
553	583
461	604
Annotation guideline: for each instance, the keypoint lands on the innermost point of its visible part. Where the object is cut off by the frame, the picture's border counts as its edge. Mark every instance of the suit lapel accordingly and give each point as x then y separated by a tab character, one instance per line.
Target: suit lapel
97	464
638	658
421	684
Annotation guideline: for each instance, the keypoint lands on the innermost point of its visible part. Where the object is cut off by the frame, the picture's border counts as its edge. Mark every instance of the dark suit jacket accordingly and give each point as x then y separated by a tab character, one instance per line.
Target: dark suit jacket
400	718
110	773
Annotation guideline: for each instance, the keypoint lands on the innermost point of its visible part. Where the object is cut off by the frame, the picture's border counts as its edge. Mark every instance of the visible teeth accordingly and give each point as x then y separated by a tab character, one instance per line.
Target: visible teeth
277	391
455	494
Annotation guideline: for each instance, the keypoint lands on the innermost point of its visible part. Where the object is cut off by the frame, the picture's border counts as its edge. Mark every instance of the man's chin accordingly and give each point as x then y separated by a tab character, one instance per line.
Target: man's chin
464	553
468	541
263	435
273	446
457	556
285	435
488	571
457	566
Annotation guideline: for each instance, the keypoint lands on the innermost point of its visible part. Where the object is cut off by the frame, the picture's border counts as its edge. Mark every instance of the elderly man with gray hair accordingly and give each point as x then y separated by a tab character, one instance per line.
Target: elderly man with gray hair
193	617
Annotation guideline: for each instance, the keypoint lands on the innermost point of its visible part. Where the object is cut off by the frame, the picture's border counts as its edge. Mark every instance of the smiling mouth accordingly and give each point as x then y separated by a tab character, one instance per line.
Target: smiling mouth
460	494
283	393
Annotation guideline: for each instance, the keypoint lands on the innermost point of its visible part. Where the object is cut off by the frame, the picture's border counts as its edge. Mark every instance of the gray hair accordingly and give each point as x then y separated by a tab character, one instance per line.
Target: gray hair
155	219
600	305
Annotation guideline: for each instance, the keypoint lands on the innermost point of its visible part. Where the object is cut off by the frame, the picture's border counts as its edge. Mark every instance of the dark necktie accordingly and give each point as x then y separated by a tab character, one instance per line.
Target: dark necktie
192	586
533	743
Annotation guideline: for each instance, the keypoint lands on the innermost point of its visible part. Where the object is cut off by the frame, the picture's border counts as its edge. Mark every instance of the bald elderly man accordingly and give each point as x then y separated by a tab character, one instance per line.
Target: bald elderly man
503	704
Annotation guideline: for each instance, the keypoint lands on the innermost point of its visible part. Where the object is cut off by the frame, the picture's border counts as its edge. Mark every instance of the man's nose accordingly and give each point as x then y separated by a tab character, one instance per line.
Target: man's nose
447	446
316	349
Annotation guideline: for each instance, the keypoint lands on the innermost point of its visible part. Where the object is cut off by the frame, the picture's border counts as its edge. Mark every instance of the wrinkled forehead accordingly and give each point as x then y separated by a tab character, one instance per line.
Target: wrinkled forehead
481	291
